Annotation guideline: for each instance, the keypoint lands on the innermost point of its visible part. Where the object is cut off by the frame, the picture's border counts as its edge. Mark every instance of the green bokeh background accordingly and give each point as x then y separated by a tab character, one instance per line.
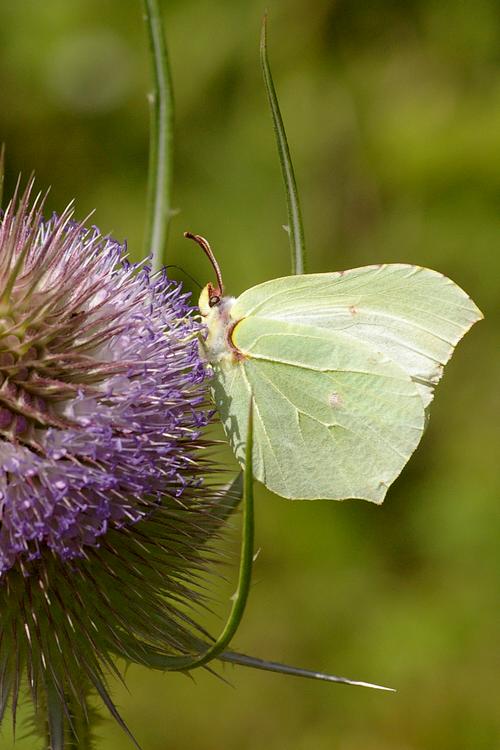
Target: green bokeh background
393	116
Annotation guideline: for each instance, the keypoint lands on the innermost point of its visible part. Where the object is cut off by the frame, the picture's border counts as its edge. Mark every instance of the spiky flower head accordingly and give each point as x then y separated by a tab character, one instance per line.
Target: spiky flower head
106	507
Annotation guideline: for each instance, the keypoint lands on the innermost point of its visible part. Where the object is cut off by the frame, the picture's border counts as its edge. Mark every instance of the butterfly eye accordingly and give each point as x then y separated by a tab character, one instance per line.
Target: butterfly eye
214	300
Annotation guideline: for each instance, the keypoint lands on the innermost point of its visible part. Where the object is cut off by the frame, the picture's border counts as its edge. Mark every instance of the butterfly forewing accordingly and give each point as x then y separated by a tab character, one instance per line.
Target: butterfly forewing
412	314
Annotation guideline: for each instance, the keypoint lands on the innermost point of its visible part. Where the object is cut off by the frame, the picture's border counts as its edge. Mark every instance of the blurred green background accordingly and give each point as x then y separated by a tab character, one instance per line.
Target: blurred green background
393	116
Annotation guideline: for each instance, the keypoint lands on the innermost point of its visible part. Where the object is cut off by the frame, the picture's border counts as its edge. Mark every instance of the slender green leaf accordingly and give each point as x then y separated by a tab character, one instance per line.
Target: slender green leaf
295	226
274	666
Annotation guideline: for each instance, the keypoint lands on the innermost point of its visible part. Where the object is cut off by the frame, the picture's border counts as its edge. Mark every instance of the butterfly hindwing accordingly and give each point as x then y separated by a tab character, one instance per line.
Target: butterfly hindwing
332	417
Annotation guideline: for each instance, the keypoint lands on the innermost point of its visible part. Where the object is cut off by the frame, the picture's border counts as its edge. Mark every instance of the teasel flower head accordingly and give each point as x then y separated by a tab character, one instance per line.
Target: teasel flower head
108	500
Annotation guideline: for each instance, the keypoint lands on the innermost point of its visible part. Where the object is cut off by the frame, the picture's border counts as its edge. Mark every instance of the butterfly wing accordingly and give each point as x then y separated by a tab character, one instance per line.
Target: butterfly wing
332	418
414	315
341	368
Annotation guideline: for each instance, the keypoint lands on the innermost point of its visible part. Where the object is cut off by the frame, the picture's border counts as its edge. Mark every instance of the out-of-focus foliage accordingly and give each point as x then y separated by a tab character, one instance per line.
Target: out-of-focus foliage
393	116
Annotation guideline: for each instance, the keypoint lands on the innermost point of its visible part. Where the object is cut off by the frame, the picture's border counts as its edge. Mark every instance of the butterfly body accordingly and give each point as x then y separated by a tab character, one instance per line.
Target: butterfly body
341	368
219	324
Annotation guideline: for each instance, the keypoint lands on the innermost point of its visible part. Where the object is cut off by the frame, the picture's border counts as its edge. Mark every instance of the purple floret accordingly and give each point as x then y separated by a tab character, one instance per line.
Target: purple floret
102	390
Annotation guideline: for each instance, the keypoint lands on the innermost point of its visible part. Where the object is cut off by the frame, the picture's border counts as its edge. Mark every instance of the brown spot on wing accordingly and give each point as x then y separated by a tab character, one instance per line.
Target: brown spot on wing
334	400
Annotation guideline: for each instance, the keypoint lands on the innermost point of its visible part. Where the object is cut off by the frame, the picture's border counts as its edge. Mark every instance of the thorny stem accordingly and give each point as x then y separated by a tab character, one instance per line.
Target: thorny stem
246	561
217	649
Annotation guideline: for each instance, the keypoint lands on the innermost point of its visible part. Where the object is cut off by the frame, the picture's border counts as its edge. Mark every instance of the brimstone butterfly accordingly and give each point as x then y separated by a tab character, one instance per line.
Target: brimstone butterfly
341	367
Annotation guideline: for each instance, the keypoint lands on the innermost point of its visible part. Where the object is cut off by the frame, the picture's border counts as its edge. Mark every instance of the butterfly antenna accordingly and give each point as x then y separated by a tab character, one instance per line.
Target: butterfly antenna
205	246
183	270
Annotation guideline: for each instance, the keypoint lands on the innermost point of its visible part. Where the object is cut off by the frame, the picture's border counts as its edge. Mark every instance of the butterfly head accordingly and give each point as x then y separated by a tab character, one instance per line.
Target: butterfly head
212	295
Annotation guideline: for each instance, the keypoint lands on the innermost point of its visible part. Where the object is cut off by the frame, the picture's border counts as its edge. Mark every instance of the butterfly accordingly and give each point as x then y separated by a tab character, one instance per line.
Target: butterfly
341	368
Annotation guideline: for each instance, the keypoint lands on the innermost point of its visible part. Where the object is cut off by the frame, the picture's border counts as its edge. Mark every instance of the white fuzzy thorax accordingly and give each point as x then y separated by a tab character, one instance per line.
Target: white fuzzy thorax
219	323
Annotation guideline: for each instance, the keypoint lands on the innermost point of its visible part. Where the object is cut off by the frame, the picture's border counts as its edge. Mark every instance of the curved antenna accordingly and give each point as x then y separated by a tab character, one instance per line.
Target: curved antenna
205	246
183	270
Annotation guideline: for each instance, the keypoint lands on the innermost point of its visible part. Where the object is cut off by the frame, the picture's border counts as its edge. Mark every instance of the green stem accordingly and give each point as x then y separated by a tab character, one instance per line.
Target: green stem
161	147
295	226
188	662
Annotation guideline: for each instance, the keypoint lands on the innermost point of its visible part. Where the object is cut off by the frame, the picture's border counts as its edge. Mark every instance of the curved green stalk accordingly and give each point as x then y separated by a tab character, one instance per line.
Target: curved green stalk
186	663
295	227
161	146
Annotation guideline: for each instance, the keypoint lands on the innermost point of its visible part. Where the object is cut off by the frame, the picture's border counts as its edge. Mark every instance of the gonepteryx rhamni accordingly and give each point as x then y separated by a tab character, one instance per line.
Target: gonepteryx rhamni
341	367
